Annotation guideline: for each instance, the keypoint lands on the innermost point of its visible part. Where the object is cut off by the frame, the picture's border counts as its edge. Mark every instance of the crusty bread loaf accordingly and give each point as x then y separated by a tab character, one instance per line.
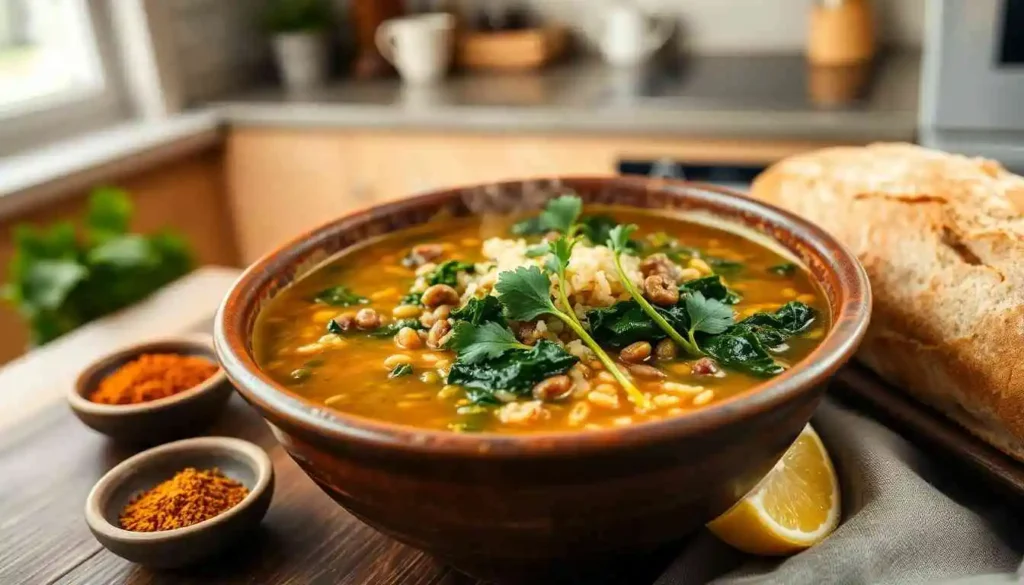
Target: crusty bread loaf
942	239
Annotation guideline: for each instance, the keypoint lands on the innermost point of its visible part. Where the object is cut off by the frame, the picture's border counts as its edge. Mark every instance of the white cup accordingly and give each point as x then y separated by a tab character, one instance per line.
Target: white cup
419	46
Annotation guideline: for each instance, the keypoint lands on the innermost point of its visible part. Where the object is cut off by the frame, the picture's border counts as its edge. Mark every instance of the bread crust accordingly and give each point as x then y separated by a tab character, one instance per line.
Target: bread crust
941	237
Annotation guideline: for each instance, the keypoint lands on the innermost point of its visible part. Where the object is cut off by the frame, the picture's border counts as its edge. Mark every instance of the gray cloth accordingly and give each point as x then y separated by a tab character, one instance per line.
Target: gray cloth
907	518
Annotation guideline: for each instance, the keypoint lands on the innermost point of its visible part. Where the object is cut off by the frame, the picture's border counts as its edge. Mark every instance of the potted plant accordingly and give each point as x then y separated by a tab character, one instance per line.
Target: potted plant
64	276
300	40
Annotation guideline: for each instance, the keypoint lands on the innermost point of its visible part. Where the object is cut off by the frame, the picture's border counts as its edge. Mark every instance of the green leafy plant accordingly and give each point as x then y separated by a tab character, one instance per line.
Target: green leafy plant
706	316
400	371
294	16
617	240
526	294
61	278
448	273
476	343
479	311
340	296
490	359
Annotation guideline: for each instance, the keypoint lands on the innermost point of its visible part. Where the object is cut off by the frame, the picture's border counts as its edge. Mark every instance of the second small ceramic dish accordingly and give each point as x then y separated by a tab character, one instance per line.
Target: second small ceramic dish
152	422
235	458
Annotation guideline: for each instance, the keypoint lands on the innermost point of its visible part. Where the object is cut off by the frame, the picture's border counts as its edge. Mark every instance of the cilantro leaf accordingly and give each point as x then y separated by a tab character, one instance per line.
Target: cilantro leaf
562	214
340	296
476	343
561	251
532	226
525	293
707	315
538	250
618	238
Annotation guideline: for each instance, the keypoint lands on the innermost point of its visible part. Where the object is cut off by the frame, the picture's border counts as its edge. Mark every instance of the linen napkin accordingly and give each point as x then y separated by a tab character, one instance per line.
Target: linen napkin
907	518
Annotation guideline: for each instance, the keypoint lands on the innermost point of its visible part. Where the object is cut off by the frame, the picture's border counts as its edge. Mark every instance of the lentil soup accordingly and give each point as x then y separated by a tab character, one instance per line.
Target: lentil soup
566	320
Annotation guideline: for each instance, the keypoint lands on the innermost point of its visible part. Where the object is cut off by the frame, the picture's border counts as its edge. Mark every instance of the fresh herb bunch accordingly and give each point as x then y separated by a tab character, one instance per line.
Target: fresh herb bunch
61	278
295	16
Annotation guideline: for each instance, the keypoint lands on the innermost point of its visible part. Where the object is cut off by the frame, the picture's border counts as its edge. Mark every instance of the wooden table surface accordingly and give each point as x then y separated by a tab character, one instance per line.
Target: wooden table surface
49	461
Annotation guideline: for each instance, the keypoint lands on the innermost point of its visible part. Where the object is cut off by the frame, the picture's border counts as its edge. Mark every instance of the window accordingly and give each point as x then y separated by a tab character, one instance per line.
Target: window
56	73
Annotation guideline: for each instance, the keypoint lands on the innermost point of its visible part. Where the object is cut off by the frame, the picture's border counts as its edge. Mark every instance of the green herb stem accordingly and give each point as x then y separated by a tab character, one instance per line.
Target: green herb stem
635	395
576	325
690	346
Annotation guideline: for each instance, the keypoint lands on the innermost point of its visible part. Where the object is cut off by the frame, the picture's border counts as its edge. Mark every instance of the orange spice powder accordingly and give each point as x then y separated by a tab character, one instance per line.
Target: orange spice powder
190	497
153	376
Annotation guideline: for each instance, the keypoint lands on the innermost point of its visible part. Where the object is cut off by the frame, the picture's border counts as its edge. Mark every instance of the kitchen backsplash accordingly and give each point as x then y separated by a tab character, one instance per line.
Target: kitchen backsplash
220	47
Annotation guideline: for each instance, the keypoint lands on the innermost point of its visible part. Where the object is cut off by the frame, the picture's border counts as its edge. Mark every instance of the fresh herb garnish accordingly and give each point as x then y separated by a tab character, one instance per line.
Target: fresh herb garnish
706	316
772	329
538	250
676	252
400	370
476	343
414	298
711	287
562	214
526	294
617	242
478	311
394	327
745	346
597	229
742	352
784	269
448	273
626	322
340	296
532	226
514	370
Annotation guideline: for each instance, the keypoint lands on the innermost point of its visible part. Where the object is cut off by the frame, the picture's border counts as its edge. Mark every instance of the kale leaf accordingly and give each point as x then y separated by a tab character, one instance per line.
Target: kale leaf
515	370
743	346
626	322
741	351
772	329
784	269
393	327
711	287
448	273
400	370
415	299
340	296
479	311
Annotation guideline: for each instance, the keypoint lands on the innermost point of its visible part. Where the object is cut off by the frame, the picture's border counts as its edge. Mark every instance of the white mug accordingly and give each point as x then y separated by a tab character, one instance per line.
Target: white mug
628	36
419	46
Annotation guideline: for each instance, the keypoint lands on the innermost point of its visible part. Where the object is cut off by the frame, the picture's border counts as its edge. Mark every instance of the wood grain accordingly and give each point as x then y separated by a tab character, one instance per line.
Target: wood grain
187	196
282	182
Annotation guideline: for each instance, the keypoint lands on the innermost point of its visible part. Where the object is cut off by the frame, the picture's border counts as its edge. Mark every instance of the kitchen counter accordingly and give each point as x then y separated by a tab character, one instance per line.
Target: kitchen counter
748	97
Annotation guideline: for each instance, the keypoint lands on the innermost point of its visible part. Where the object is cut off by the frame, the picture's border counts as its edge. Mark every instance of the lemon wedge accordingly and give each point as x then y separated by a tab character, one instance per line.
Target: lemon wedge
794	507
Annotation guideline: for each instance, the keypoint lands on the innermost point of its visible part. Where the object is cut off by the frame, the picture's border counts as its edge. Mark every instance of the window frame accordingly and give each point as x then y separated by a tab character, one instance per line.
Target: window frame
66	114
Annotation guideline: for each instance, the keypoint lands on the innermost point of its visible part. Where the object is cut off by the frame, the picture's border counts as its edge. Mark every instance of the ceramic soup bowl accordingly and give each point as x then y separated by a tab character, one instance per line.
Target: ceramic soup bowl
512	506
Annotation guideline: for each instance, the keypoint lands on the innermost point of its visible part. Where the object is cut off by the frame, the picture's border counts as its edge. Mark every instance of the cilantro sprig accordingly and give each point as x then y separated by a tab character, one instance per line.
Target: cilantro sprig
526	295
707	316
618	240
476	343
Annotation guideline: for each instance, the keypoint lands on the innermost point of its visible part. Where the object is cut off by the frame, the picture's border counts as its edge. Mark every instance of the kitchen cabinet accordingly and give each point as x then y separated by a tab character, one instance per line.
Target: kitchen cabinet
285	181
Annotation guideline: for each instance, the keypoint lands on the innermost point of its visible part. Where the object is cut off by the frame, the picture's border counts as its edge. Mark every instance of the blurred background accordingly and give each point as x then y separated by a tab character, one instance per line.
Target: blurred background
142	138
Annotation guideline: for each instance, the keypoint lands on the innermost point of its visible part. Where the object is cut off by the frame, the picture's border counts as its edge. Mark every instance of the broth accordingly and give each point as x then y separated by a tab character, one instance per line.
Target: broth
346	370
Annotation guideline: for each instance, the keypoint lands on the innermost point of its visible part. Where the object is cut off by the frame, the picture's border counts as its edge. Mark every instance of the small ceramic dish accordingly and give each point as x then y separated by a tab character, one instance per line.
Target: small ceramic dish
176	416
240	460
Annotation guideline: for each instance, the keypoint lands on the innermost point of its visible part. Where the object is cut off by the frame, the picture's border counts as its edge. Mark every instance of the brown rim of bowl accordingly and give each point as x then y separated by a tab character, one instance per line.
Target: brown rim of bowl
848	328
78	394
